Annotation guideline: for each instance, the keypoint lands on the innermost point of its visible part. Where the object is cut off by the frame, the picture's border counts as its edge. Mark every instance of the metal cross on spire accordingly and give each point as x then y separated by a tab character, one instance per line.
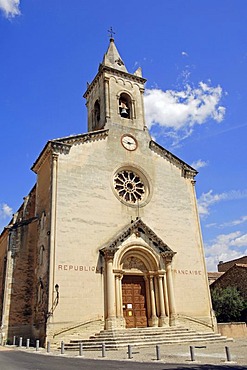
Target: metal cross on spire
111	32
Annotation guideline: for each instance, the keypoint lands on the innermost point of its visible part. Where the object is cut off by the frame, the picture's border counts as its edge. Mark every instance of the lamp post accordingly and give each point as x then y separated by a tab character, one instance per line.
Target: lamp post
57	291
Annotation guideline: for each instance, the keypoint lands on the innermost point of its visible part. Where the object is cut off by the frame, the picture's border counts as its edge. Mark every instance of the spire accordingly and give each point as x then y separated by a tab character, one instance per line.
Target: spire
112	57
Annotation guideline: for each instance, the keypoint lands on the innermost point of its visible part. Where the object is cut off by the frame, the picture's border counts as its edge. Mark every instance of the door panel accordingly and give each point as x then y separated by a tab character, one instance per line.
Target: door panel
134	301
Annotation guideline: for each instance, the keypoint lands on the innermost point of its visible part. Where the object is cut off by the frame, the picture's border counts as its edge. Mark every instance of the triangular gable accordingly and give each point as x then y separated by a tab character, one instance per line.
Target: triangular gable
141	229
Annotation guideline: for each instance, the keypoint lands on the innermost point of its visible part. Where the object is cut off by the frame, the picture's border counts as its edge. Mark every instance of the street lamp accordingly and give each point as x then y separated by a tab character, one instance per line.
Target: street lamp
57	291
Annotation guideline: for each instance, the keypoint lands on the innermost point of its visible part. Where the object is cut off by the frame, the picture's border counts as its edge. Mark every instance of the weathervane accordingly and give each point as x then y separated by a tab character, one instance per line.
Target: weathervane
111	32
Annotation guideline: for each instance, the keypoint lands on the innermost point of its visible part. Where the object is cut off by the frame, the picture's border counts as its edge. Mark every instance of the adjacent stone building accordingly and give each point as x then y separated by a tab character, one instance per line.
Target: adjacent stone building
109	236
224	266
233	273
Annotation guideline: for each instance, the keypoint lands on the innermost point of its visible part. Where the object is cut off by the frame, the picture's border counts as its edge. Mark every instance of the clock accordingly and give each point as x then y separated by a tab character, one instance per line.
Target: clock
129	142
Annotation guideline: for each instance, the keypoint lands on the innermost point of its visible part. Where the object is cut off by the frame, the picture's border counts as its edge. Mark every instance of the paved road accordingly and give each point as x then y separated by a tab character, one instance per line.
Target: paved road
19	360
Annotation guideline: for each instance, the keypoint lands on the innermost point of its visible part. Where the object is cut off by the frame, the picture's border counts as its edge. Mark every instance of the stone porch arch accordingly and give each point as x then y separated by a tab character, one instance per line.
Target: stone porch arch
137	250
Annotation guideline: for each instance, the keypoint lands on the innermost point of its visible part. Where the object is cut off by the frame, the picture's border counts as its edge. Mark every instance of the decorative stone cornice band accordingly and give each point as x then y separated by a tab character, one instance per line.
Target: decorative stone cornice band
115	72
186	170
84	138
63	145
59	147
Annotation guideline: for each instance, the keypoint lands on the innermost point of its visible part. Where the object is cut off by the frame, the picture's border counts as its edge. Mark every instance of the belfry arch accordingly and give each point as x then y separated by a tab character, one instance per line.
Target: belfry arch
138	280
125	105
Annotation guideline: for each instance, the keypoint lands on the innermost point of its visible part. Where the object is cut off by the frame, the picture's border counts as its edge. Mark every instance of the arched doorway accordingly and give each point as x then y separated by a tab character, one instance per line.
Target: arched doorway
141	295
134	301
138	280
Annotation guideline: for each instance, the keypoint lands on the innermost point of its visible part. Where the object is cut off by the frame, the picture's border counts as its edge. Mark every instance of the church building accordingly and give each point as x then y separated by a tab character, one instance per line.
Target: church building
109	236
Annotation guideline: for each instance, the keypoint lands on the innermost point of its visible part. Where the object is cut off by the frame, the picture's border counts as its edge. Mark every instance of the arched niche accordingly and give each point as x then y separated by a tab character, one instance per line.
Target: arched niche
96	114
125	106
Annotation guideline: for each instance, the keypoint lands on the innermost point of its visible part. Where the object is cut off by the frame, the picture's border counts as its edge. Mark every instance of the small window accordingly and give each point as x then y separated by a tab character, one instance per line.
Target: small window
40	291
125	106
96	117
41	255
42	220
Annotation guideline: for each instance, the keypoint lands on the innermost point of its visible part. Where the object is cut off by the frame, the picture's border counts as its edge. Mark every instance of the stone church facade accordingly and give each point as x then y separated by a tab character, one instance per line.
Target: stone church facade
109	236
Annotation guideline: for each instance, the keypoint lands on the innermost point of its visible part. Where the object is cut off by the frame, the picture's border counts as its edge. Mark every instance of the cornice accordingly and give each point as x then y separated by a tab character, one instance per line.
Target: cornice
186	170
60	147
84	138
52	147
141	230
114	72
41	158
63	145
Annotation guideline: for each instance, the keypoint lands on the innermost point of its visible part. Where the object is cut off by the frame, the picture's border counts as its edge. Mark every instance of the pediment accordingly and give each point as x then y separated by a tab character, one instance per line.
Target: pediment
139	228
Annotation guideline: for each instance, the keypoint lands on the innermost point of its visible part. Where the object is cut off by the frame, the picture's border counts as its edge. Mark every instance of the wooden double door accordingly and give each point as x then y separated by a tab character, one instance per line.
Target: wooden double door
134	301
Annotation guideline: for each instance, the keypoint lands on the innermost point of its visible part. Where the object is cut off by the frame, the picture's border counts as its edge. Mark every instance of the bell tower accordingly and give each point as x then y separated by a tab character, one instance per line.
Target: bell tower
115	96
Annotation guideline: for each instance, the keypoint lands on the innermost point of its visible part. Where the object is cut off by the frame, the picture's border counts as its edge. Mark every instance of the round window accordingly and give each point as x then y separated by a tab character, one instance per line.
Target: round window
130	187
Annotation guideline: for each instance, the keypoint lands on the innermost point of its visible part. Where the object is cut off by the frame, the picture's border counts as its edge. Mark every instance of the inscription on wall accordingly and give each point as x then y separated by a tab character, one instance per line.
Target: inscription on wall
187	272
76	268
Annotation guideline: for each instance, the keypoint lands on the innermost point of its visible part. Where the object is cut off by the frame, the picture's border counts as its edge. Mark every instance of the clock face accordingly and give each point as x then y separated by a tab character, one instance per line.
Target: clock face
129	142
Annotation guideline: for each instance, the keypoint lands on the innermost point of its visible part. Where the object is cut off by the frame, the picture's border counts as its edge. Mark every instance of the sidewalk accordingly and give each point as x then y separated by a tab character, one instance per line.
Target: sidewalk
214	353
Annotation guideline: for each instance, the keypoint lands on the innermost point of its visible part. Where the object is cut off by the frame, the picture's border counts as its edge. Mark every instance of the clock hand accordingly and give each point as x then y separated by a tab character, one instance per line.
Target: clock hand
127	142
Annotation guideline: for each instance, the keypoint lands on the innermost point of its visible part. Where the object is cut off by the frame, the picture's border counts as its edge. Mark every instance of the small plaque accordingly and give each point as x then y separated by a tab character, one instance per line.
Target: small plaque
129	305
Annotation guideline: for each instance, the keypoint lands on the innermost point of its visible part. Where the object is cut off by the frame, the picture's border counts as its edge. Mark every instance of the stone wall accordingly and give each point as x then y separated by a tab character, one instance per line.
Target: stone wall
3	265
20	270
236	276
233	329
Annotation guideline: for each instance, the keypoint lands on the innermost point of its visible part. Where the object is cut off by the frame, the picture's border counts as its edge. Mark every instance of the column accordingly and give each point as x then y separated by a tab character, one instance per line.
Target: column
154	319
133	108
52	257
162	318
147	297
156	294
107	98
142	104
119	302
165	295
170	292
110	291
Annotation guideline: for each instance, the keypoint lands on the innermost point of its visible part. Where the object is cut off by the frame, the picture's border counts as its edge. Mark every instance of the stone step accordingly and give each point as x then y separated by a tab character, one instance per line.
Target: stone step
143	337
143	343
136	332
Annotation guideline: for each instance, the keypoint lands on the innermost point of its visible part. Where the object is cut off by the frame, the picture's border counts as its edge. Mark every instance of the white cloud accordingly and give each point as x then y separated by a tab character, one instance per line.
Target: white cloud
199	164
223	248
239	221
184	54
206	200
10	8
5	211
241	241
183	109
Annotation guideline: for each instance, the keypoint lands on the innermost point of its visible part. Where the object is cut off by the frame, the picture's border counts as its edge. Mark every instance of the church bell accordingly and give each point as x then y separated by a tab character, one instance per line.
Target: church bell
124	112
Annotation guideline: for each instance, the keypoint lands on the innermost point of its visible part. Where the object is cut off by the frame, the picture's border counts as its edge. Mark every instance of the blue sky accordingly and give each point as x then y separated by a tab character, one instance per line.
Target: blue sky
194	56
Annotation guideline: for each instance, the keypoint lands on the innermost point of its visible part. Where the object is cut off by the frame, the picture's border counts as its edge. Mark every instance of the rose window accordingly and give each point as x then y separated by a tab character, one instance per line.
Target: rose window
129	186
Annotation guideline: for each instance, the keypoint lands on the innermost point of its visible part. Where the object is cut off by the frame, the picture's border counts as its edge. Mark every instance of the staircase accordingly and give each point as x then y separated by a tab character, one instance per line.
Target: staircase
143	337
